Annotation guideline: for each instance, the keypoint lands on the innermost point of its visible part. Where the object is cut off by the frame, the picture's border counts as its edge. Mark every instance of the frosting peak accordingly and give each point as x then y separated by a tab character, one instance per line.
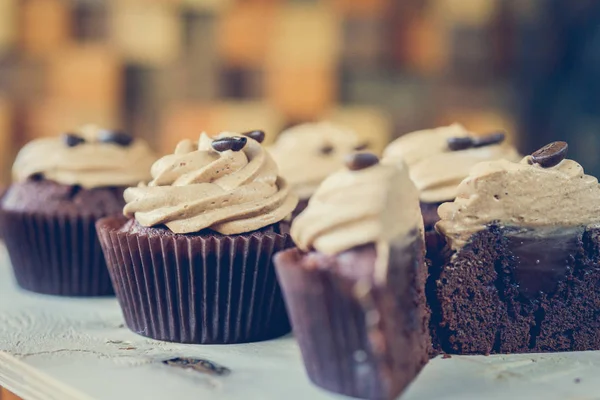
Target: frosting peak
522	194
90	157
378	204
434	167
197	188
306	154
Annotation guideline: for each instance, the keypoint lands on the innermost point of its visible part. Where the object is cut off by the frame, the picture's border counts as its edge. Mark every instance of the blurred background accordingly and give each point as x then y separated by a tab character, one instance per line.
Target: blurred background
168	69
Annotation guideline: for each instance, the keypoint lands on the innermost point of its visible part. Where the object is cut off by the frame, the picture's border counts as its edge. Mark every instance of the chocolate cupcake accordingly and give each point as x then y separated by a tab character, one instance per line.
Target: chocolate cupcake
355	286
306	154
193	265
438	160
521	269
61	187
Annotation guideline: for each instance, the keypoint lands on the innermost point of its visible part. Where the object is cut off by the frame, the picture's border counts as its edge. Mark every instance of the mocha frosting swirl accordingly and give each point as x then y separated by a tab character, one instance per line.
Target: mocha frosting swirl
378	205
91	164
306	154
436	170
522	195
197	188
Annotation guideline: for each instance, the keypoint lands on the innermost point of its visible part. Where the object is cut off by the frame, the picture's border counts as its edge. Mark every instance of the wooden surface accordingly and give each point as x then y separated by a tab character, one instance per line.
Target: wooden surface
78	349
6	395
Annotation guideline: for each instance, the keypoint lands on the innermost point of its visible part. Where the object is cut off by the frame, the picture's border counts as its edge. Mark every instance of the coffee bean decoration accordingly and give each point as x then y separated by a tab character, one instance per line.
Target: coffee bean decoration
362	146
490	139
72	139
327	149
116	137
259	136
551	154
460	143
468	142
234	143
358	161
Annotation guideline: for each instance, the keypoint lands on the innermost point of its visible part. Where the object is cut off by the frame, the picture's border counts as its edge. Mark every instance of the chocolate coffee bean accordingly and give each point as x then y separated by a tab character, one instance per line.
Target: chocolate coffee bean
72	139
116	137
490	139
259	136
358	161
327	149
460	143
234	143
362	146
551	154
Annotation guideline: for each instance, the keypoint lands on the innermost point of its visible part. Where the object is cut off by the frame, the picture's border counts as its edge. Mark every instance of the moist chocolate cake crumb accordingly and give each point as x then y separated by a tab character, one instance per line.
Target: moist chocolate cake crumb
302	204
50	197
480	302
133	227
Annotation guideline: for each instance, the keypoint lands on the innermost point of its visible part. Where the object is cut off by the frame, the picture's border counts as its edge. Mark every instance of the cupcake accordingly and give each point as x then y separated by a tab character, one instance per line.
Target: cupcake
355	286
191	258
521	270
306	154
439	159
61	187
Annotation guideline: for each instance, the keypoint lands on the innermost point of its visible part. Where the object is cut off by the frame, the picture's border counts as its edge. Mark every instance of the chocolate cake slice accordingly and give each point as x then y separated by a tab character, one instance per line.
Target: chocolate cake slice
355	286
521	270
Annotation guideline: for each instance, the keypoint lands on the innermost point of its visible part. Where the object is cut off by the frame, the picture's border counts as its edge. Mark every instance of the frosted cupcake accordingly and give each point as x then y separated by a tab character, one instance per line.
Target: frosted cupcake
522	272
191	259
61	187
440	159
355	286
306	154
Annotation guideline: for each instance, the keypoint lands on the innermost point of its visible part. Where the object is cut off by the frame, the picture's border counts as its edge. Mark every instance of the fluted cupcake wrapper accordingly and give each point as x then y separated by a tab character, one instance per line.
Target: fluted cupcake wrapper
346	345
55	254
193	289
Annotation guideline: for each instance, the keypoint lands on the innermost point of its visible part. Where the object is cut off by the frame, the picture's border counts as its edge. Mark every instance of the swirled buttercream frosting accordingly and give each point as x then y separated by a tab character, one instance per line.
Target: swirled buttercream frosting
306	154
522	194
89	157
436	169
226	191
377	204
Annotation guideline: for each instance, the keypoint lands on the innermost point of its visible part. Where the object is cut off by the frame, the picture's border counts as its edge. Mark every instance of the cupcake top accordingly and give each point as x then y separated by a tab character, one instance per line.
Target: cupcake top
89	157
439	159
228	184
543	190
366	202
306	154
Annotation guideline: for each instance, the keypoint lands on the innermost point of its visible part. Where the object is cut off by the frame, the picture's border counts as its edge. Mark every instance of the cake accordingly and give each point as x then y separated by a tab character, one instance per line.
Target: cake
306	154
61	187
355	285
520	272
191	259
438	160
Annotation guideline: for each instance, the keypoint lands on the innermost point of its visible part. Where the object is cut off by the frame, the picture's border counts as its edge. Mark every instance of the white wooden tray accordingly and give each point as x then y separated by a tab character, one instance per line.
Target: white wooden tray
75	349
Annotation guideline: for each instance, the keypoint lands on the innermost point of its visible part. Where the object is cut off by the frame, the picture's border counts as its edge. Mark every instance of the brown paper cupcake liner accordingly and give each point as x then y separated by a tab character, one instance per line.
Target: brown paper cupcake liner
55	254
210	289
347	346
